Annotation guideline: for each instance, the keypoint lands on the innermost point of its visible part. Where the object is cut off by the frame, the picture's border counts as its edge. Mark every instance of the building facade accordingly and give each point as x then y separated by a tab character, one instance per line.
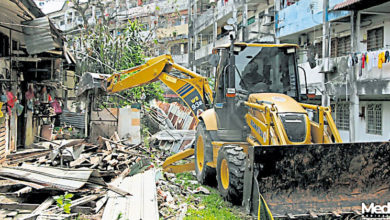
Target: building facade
350	71
254	21
34	73
165	23
356	79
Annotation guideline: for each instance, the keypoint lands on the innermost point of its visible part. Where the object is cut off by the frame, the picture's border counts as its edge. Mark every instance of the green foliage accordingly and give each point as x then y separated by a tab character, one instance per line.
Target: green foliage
214	208
64	202
210	206
104	50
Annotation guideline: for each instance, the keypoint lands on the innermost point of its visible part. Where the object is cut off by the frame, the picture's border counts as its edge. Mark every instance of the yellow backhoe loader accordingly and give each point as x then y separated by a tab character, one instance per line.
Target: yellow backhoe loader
259	143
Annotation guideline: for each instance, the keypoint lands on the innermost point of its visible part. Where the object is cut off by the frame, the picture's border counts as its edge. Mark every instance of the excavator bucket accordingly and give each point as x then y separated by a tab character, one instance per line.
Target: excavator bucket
317	180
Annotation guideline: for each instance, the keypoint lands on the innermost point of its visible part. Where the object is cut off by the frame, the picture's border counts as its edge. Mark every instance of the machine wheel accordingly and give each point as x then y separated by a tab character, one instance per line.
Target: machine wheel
204	173
230	173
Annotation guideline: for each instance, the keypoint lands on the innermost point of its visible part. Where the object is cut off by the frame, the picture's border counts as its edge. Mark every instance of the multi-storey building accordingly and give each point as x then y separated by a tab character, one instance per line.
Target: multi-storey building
165	22
352	76
254	21
356	78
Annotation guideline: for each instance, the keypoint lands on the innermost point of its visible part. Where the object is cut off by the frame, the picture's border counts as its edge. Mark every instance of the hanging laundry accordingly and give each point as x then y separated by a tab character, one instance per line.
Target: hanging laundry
381	59
19	109
363	60
355	60
30	93
369	61
3	98
1	106
387	56
11	99
57	107
350	61
375	59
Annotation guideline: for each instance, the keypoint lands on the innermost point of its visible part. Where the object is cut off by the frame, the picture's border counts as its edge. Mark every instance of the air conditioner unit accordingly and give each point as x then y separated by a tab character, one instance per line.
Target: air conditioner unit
302	40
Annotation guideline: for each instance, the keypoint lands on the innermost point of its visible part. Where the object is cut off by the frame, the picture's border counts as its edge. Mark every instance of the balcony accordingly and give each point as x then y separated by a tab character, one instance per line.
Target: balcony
369	81
303	15
206	19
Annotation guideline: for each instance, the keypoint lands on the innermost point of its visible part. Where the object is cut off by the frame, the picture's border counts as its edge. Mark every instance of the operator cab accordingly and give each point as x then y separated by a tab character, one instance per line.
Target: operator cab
259	68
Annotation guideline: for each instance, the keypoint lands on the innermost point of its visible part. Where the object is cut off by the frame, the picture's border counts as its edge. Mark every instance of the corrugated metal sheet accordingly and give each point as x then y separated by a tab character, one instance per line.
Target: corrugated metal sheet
38	36
3	141
77	120
345	4
60	178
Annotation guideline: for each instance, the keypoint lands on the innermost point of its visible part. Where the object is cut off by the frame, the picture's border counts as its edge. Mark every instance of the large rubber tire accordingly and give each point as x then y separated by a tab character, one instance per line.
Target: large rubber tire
230	173
204	173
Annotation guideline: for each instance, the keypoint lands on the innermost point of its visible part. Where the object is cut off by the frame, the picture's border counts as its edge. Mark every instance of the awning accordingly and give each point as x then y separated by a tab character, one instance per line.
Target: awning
349	5
40	36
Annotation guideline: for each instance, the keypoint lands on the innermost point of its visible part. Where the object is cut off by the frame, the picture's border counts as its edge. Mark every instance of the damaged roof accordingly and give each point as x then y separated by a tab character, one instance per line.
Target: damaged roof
40	36
348	5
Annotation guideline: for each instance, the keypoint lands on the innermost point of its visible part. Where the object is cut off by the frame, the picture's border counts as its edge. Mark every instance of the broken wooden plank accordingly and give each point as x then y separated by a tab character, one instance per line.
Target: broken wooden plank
100	203
42	207
28	206
24	190
143	203
108	145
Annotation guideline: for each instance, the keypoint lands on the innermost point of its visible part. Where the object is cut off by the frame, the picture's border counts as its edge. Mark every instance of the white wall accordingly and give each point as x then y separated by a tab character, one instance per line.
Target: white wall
362	135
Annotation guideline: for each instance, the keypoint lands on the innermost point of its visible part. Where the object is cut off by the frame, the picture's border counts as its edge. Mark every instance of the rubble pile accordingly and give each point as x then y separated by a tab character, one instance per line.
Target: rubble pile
173	195
33	179
107	179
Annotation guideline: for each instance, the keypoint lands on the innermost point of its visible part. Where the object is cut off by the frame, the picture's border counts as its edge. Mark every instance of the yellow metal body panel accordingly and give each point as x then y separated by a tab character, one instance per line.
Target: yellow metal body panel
210	119
283	103
262	115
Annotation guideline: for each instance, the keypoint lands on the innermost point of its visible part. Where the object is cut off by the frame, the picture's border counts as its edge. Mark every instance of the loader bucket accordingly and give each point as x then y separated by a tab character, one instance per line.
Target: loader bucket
319	179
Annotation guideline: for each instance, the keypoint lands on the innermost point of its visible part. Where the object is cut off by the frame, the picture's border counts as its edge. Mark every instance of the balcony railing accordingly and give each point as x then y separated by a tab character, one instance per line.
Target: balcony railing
206	19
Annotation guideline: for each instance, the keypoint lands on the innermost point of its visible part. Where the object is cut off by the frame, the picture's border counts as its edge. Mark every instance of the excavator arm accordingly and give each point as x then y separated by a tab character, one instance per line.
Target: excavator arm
191	87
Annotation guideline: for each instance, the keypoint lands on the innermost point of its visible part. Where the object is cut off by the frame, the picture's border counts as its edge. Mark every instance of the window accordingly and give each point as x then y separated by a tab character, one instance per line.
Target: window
341	46
375	39
318	49
342	116
374	119
271	11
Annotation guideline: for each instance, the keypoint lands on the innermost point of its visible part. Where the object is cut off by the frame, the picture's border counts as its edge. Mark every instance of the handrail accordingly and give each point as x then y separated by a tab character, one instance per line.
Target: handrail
324	111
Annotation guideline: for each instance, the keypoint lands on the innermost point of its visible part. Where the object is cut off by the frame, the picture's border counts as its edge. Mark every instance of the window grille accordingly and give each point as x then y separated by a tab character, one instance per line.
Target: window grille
375	39
342	116
374	119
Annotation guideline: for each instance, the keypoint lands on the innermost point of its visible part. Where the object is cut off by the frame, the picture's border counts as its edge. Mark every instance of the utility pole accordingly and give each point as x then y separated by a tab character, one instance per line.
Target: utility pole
195	11
277	9
215	31
190	36
325	100
244	21
354	97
